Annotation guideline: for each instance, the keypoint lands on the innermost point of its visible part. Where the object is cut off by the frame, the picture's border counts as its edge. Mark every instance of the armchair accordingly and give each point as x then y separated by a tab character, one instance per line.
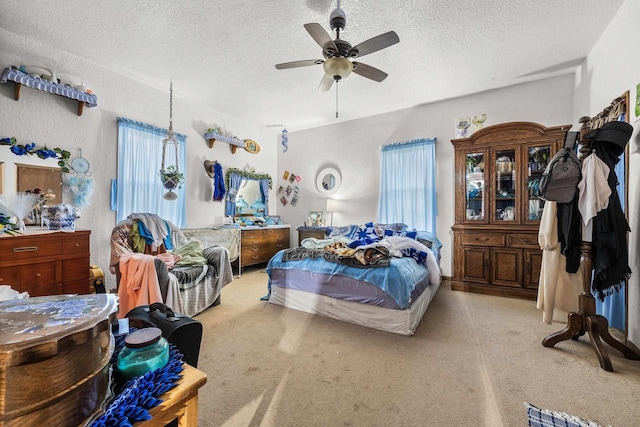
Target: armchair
146	273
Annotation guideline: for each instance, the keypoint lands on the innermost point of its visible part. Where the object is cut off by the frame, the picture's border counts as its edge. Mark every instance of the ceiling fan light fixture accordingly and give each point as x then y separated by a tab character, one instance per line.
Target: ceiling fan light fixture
337	67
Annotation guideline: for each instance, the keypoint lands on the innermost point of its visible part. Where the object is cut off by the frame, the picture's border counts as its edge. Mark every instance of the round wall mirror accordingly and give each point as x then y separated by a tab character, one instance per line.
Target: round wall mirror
328	181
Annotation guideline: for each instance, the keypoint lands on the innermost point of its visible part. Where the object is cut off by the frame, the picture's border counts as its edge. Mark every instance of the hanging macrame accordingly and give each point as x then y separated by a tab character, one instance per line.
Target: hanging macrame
170	175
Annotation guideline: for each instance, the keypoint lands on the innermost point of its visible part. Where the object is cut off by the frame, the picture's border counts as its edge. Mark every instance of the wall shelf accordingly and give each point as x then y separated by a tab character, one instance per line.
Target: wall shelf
234	143
23	79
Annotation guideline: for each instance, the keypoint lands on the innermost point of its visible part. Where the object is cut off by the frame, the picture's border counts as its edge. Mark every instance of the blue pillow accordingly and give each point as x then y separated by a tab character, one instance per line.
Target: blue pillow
412	234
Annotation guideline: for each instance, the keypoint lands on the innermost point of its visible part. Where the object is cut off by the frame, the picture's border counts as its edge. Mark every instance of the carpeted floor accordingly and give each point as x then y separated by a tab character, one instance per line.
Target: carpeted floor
473	361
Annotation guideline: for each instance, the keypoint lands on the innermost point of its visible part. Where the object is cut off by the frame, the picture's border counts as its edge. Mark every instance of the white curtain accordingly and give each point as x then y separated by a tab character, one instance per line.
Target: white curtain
408	184
139	188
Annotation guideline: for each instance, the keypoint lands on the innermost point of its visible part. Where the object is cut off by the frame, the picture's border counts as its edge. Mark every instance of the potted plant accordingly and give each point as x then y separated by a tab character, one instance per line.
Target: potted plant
171	177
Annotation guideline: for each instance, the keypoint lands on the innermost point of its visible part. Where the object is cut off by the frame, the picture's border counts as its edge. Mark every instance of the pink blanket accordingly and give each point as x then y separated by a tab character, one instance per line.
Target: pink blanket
139	282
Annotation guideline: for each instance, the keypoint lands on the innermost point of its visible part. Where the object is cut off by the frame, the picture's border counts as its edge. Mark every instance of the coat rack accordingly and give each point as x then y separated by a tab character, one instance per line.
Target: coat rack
586	319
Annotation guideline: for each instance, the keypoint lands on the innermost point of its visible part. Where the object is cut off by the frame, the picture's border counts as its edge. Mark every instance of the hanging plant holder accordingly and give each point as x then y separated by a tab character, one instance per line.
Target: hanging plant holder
170	176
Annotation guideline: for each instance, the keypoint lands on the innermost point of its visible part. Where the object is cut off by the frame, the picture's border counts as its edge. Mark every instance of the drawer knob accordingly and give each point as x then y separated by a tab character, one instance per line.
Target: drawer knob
481	239
25	249
254	249
77	244
38	274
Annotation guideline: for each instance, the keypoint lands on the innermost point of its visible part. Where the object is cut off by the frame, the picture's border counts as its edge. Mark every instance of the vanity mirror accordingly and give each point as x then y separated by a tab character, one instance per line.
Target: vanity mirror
328	181
247	193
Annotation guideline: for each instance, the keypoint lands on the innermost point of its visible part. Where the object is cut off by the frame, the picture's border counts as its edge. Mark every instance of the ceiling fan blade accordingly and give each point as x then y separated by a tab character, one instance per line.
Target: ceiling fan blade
325	83
321	36
369	72
375	44
296	64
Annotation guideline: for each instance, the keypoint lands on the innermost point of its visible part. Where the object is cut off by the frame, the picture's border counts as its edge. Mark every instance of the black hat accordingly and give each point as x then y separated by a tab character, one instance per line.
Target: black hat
615	132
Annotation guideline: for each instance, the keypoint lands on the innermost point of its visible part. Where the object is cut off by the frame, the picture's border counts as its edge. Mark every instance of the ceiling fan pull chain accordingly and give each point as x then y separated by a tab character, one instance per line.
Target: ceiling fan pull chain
337	98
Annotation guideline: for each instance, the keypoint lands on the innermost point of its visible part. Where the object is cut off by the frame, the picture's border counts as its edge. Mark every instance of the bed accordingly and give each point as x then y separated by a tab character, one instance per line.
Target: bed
391	293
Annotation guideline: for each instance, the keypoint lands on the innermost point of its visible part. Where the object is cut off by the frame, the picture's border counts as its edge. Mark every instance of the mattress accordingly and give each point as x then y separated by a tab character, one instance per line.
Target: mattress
390	298
402	322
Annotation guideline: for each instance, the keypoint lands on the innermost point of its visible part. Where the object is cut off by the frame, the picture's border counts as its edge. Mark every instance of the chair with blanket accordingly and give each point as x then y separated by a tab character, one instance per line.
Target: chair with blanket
154	262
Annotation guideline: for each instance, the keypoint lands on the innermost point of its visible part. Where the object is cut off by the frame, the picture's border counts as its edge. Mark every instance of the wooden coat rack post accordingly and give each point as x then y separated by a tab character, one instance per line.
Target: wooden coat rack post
586	319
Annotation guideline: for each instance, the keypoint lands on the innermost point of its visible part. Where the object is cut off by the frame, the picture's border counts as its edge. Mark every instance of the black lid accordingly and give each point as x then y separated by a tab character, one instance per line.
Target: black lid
143	337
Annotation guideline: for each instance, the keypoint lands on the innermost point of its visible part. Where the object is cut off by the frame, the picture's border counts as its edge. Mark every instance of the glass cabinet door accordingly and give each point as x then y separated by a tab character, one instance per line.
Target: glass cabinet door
537	159
474	194
505	186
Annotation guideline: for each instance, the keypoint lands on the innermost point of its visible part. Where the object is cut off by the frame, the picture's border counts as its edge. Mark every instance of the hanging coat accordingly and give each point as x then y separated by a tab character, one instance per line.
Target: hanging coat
558	291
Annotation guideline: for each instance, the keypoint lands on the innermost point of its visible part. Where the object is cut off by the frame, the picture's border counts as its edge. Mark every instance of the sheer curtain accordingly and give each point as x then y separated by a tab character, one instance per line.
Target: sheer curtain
408	184
139	188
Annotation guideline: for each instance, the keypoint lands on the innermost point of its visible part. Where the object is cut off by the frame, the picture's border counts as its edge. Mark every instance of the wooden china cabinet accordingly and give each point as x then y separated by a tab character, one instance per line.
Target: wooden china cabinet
498	207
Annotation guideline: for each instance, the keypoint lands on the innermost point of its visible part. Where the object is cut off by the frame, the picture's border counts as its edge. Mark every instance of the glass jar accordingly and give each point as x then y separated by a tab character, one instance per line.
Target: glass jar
145	350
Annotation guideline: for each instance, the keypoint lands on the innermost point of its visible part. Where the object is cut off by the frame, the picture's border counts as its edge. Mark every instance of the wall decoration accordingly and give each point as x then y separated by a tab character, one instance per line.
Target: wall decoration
292	178
30	149
479	121
285	175
280	191
288	191
285	140
283	200
462	124
294	200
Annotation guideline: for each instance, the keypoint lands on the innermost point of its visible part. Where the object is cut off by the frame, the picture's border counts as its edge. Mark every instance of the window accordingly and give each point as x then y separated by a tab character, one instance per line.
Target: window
408	184
138	188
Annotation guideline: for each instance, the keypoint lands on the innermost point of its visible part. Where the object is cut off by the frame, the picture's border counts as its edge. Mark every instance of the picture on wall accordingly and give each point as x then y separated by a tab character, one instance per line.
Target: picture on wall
280	190
283	200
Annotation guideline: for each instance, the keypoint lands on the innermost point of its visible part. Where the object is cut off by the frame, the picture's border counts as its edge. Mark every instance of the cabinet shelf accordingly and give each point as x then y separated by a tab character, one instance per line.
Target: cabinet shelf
23	79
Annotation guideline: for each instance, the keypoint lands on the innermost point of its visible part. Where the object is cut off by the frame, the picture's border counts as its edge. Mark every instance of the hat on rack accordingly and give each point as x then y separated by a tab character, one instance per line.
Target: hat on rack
208	166
615	132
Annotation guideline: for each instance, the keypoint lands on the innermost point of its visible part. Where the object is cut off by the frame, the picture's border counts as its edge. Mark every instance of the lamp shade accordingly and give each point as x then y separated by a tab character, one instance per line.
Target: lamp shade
337	67
333	205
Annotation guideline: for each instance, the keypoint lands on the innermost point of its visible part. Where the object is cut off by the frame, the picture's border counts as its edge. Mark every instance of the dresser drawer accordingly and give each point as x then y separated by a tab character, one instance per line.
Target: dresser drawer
527	241
10	276
38	274
44	290
18	248
75	244
483	239
75	269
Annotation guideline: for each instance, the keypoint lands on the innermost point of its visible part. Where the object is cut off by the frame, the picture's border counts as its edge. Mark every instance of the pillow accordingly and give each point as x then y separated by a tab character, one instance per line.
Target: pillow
346	231
365	231
546	418
412	234
429	239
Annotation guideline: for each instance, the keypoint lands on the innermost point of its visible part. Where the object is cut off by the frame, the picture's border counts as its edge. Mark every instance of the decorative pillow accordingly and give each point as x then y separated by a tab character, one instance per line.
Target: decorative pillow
412	234
429	239
346	231
546	418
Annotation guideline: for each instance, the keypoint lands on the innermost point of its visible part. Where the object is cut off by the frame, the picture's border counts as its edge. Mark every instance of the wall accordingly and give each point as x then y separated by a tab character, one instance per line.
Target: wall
354	149
48	119
611	68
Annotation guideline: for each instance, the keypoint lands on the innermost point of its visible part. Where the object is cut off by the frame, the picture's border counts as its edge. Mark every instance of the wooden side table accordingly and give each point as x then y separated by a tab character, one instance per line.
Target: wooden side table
181	402
315	232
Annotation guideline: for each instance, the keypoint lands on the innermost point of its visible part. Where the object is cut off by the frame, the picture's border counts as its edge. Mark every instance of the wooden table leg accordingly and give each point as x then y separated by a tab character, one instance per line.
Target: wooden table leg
573	330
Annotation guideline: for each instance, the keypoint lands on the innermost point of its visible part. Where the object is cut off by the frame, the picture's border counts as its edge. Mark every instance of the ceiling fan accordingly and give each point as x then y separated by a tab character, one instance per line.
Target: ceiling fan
338	53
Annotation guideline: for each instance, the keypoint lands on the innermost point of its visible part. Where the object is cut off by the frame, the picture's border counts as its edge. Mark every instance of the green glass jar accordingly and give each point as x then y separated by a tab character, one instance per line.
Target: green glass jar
145	350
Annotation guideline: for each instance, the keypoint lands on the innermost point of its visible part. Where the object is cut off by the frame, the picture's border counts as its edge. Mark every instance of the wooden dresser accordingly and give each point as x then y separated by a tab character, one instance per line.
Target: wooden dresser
46	263
259	244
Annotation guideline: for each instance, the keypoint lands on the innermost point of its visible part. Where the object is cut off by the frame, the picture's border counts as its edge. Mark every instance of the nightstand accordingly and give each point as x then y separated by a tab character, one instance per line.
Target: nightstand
315	232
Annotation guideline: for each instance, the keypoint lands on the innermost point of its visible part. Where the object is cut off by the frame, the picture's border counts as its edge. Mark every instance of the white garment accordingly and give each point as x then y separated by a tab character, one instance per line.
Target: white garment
558	291
594	192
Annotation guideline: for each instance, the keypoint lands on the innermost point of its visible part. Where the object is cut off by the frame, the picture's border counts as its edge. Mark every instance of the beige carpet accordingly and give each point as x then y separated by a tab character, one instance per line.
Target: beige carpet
473	361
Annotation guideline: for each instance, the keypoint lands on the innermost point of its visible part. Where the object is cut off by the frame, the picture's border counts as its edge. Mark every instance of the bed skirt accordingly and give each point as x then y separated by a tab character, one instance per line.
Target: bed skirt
402	322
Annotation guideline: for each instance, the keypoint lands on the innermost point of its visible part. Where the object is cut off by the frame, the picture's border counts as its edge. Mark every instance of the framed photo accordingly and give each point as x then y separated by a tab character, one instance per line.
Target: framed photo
294	200
315	218
280	190
288	191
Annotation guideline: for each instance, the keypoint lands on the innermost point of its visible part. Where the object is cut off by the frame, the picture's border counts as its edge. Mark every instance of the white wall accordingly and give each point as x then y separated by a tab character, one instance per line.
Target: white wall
613	67
354	149
48	119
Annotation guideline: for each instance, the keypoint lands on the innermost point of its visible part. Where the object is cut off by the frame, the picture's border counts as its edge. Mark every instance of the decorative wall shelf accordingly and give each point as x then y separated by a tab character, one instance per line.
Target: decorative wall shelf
234	143
20	79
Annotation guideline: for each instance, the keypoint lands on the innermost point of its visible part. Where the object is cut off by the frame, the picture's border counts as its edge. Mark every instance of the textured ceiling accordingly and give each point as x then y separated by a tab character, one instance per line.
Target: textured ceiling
223	53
